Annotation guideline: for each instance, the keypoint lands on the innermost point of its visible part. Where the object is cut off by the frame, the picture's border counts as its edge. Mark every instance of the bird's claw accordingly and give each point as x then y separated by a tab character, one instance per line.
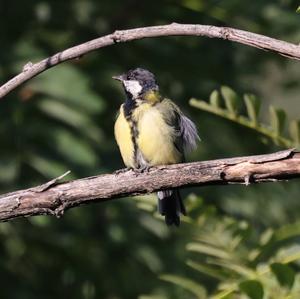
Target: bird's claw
144	169
123	170
137	171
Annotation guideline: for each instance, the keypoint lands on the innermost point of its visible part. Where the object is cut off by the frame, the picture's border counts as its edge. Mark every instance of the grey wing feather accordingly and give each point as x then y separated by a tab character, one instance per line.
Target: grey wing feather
189	133
186	131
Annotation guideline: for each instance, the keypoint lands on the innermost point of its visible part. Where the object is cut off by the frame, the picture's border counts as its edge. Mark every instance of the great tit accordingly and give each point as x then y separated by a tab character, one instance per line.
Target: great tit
151	130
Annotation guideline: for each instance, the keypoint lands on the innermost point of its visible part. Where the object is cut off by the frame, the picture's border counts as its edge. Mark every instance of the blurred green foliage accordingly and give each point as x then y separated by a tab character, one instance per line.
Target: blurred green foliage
63	119
239	261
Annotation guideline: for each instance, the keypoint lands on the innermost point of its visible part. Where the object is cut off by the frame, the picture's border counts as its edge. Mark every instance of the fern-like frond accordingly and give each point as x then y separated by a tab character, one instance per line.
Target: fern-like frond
243	264
227	103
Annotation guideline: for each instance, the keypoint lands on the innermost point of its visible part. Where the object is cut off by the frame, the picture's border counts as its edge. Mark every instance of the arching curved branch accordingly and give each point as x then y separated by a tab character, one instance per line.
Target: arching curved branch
31	70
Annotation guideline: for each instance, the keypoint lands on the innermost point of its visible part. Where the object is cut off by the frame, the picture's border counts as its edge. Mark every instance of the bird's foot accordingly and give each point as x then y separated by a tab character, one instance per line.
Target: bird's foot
123	170
144	169
137	171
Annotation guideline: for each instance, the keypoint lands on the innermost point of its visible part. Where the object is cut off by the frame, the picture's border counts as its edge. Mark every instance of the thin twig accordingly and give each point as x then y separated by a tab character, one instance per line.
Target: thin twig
31	70
56	198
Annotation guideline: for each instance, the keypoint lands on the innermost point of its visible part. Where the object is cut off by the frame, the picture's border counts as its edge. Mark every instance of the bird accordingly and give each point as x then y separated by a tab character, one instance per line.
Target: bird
151	130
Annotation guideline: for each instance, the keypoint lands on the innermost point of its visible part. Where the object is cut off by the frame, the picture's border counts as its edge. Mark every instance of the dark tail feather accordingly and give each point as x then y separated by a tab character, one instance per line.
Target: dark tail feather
171	206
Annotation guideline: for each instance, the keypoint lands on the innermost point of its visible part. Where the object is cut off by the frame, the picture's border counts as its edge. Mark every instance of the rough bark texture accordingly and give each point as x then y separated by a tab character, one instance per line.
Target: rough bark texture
31	70
54	198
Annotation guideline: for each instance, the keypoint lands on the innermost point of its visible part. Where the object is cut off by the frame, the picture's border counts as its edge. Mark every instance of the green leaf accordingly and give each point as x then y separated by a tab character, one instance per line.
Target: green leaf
209	250
288	231
187	284
266	236
72	148
225	294
238	268
150	258
70	116
231	99
63	112
69	85
253	107
214	99
298	9
284	274
253	288
207	270
294	129
277	118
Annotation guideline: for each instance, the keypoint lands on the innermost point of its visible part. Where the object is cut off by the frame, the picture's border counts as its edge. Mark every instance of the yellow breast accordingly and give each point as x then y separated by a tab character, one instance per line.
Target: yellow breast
156	138
124	140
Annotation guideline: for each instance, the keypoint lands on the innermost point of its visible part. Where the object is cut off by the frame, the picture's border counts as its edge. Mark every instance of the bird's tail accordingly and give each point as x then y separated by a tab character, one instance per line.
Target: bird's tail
171	206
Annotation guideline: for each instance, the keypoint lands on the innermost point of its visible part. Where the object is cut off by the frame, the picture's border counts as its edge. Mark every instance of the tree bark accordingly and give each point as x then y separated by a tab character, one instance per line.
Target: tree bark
54	198
31	70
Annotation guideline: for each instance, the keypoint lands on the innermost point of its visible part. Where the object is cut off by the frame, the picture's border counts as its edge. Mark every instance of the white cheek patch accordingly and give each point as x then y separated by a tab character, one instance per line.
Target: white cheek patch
133	87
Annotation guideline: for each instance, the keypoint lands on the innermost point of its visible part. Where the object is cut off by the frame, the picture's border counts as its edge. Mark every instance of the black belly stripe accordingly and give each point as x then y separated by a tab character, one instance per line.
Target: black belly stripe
134	136
128	108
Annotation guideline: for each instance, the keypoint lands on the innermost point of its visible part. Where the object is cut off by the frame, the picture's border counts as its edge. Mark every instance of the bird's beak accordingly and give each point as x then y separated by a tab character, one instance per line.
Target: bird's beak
119	78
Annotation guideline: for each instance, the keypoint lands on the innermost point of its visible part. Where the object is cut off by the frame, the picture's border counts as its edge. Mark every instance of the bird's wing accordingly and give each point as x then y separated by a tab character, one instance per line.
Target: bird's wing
189	133
186	135
178	140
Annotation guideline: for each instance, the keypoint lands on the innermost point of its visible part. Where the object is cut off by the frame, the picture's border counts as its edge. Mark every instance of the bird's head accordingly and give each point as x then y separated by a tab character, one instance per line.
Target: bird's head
138	82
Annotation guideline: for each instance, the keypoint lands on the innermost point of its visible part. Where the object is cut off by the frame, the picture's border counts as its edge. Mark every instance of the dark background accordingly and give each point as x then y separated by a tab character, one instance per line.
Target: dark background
63	119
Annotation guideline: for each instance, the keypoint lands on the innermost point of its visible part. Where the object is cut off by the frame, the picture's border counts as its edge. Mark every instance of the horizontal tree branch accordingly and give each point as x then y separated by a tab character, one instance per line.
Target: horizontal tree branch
31	70
54	198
